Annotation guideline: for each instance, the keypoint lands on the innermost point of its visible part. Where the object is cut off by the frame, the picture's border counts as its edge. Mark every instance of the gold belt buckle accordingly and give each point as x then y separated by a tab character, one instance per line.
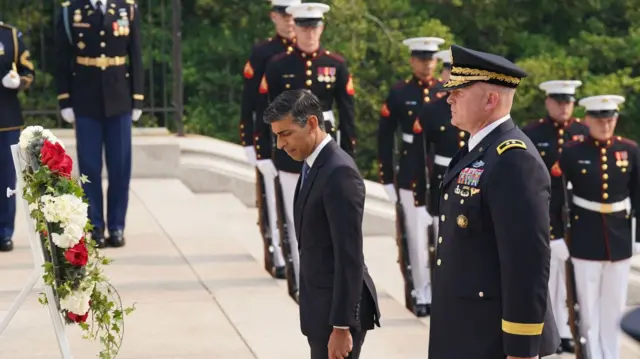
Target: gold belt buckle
606	207
102	62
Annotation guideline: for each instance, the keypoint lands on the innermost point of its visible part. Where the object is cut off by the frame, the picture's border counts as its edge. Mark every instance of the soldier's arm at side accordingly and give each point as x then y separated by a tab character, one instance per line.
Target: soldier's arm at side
345	91
518	198
634	186
421	147
252	75
25	67
64	55
387	125
262	131
135	58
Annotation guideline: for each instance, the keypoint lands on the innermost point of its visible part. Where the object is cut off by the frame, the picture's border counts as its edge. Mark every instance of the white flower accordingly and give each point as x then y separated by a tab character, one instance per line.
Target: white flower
65	241
71	213
27	135
51	137
77	302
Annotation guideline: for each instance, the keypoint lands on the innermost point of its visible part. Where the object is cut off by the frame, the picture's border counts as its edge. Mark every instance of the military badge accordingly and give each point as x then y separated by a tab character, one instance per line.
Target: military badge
462	192
77	17
248	71
470	176
384	111
1	48
577	138
462	221
622	158
416	126
555	170
81	45
349	88
264	87
478	164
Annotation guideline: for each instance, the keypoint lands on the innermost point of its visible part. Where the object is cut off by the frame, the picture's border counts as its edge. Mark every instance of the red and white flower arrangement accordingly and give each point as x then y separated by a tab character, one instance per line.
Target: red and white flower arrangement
73	264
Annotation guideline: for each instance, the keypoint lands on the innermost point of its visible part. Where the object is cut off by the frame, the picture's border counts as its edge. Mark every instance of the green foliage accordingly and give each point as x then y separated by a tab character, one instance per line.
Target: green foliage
595	41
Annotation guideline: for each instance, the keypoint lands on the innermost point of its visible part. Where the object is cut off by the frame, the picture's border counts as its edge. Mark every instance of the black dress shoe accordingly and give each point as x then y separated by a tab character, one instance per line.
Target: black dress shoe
98	236
422	310
567	345
6	245
116	238
279	272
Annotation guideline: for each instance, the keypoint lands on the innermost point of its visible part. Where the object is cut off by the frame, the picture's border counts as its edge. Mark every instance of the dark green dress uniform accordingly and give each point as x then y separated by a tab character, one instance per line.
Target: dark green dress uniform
99	75
14	56
492	267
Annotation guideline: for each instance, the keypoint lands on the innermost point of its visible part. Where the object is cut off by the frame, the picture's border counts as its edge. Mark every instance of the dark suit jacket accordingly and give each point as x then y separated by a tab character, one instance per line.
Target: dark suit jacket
335	286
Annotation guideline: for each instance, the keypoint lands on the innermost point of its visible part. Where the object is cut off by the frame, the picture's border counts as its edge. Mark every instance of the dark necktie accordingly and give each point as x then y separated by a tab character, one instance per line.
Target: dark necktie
99	10
305	172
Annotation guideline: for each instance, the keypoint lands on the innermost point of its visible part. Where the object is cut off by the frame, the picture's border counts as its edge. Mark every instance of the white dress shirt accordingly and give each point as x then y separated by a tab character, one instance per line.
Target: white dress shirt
475	139
312	157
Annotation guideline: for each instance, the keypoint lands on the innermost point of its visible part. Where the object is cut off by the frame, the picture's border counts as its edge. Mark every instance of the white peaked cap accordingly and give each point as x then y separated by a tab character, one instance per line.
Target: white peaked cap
285	2
309	10
444	55
424	43
601	102
560	87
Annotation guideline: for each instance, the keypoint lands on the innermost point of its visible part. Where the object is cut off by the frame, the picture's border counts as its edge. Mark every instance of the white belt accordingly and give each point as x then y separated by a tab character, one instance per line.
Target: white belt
624	205
328	116
407	137
442	161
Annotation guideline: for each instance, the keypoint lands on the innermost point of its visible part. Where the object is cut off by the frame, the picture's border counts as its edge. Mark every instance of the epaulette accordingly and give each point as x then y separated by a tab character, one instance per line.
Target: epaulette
627	141
509	144
334	55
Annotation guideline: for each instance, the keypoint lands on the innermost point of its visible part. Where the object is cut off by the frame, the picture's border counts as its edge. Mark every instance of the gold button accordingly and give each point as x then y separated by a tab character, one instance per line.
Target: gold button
481	294
462	201
559	150
605	176
308	82
328	86
102	44
304	55
289	48
442	128
416	203
461	134
442	218
576	218
440	240
427	99
426	91
560	141
542	153
604	166
410	113
308	63
561	132
603	150
553	237
287	85
623	169
551	228
605	195
446	196
605	185
461	144
604	158
439	261
309	72
583	171
102	33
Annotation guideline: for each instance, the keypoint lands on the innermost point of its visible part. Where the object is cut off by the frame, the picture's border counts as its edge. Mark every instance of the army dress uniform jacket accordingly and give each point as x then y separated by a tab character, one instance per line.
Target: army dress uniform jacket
606	190
13	55
401	109
327	76
252	73
549	136
492	268
93	74
442	140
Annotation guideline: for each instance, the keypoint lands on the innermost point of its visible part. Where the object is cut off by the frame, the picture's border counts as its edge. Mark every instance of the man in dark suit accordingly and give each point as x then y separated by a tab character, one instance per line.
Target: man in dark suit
490	298
338	300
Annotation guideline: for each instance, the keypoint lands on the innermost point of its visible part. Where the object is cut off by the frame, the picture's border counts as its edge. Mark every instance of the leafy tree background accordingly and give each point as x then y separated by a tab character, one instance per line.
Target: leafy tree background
595	41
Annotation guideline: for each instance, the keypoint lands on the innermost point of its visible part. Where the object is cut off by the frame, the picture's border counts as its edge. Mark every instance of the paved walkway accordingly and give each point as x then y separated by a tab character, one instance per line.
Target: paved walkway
193	266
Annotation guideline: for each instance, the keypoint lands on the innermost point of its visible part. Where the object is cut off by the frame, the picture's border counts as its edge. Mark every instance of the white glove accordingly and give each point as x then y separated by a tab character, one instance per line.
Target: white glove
424	216
68	115
251	154
391	192
268	169
636	247
135	114
11	80
559	249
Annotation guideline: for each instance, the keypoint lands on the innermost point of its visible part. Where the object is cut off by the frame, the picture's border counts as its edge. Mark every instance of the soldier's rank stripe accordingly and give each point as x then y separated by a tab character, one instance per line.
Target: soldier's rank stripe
63	96
521	328
509	144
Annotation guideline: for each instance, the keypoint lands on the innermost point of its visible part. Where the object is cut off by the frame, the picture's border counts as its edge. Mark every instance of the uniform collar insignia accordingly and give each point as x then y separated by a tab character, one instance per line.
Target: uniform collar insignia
478	164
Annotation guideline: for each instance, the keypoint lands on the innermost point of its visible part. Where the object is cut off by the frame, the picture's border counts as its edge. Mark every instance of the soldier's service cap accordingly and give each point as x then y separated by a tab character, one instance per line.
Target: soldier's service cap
423	47
445	57
602	106
281	6
308	14
561	90
470	66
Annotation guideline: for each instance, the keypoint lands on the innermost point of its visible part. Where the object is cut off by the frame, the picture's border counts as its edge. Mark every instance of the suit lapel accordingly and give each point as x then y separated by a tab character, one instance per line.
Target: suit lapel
300	199
477	151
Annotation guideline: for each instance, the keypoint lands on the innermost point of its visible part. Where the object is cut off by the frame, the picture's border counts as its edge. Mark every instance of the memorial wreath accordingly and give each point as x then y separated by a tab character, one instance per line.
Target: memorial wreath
73	263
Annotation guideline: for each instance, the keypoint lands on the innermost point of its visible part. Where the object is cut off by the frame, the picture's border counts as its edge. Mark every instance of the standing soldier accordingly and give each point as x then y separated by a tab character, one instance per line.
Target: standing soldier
399	111
549	134
445	57
101	92
17	73
253	72
324	73
604	171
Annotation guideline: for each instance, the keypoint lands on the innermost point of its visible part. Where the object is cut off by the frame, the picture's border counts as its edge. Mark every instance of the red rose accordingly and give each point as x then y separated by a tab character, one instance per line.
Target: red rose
78	318
55	157
78	254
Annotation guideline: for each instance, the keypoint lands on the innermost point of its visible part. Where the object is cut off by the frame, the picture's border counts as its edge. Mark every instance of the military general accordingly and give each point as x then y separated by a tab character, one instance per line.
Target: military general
99	76
17	72
490	284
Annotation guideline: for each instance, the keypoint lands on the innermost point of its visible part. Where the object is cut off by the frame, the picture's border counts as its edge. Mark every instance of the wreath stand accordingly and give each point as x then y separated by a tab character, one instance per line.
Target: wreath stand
37	252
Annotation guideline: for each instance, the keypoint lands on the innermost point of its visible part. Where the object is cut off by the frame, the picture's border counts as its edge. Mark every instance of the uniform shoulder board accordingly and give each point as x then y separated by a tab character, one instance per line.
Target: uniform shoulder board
509	144
627	141
335	55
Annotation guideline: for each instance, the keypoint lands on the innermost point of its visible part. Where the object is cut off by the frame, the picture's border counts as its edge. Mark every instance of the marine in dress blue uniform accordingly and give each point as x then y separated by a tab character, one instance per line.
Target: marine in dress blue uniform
17	72
492	268
100	83
549	134
399	112
253	72
604	172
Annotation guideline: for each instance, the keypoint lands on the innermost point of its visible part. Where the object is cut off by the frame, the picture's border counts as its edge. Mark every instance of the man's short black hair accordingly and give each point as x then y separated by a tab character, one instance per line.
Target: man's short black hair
300	104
